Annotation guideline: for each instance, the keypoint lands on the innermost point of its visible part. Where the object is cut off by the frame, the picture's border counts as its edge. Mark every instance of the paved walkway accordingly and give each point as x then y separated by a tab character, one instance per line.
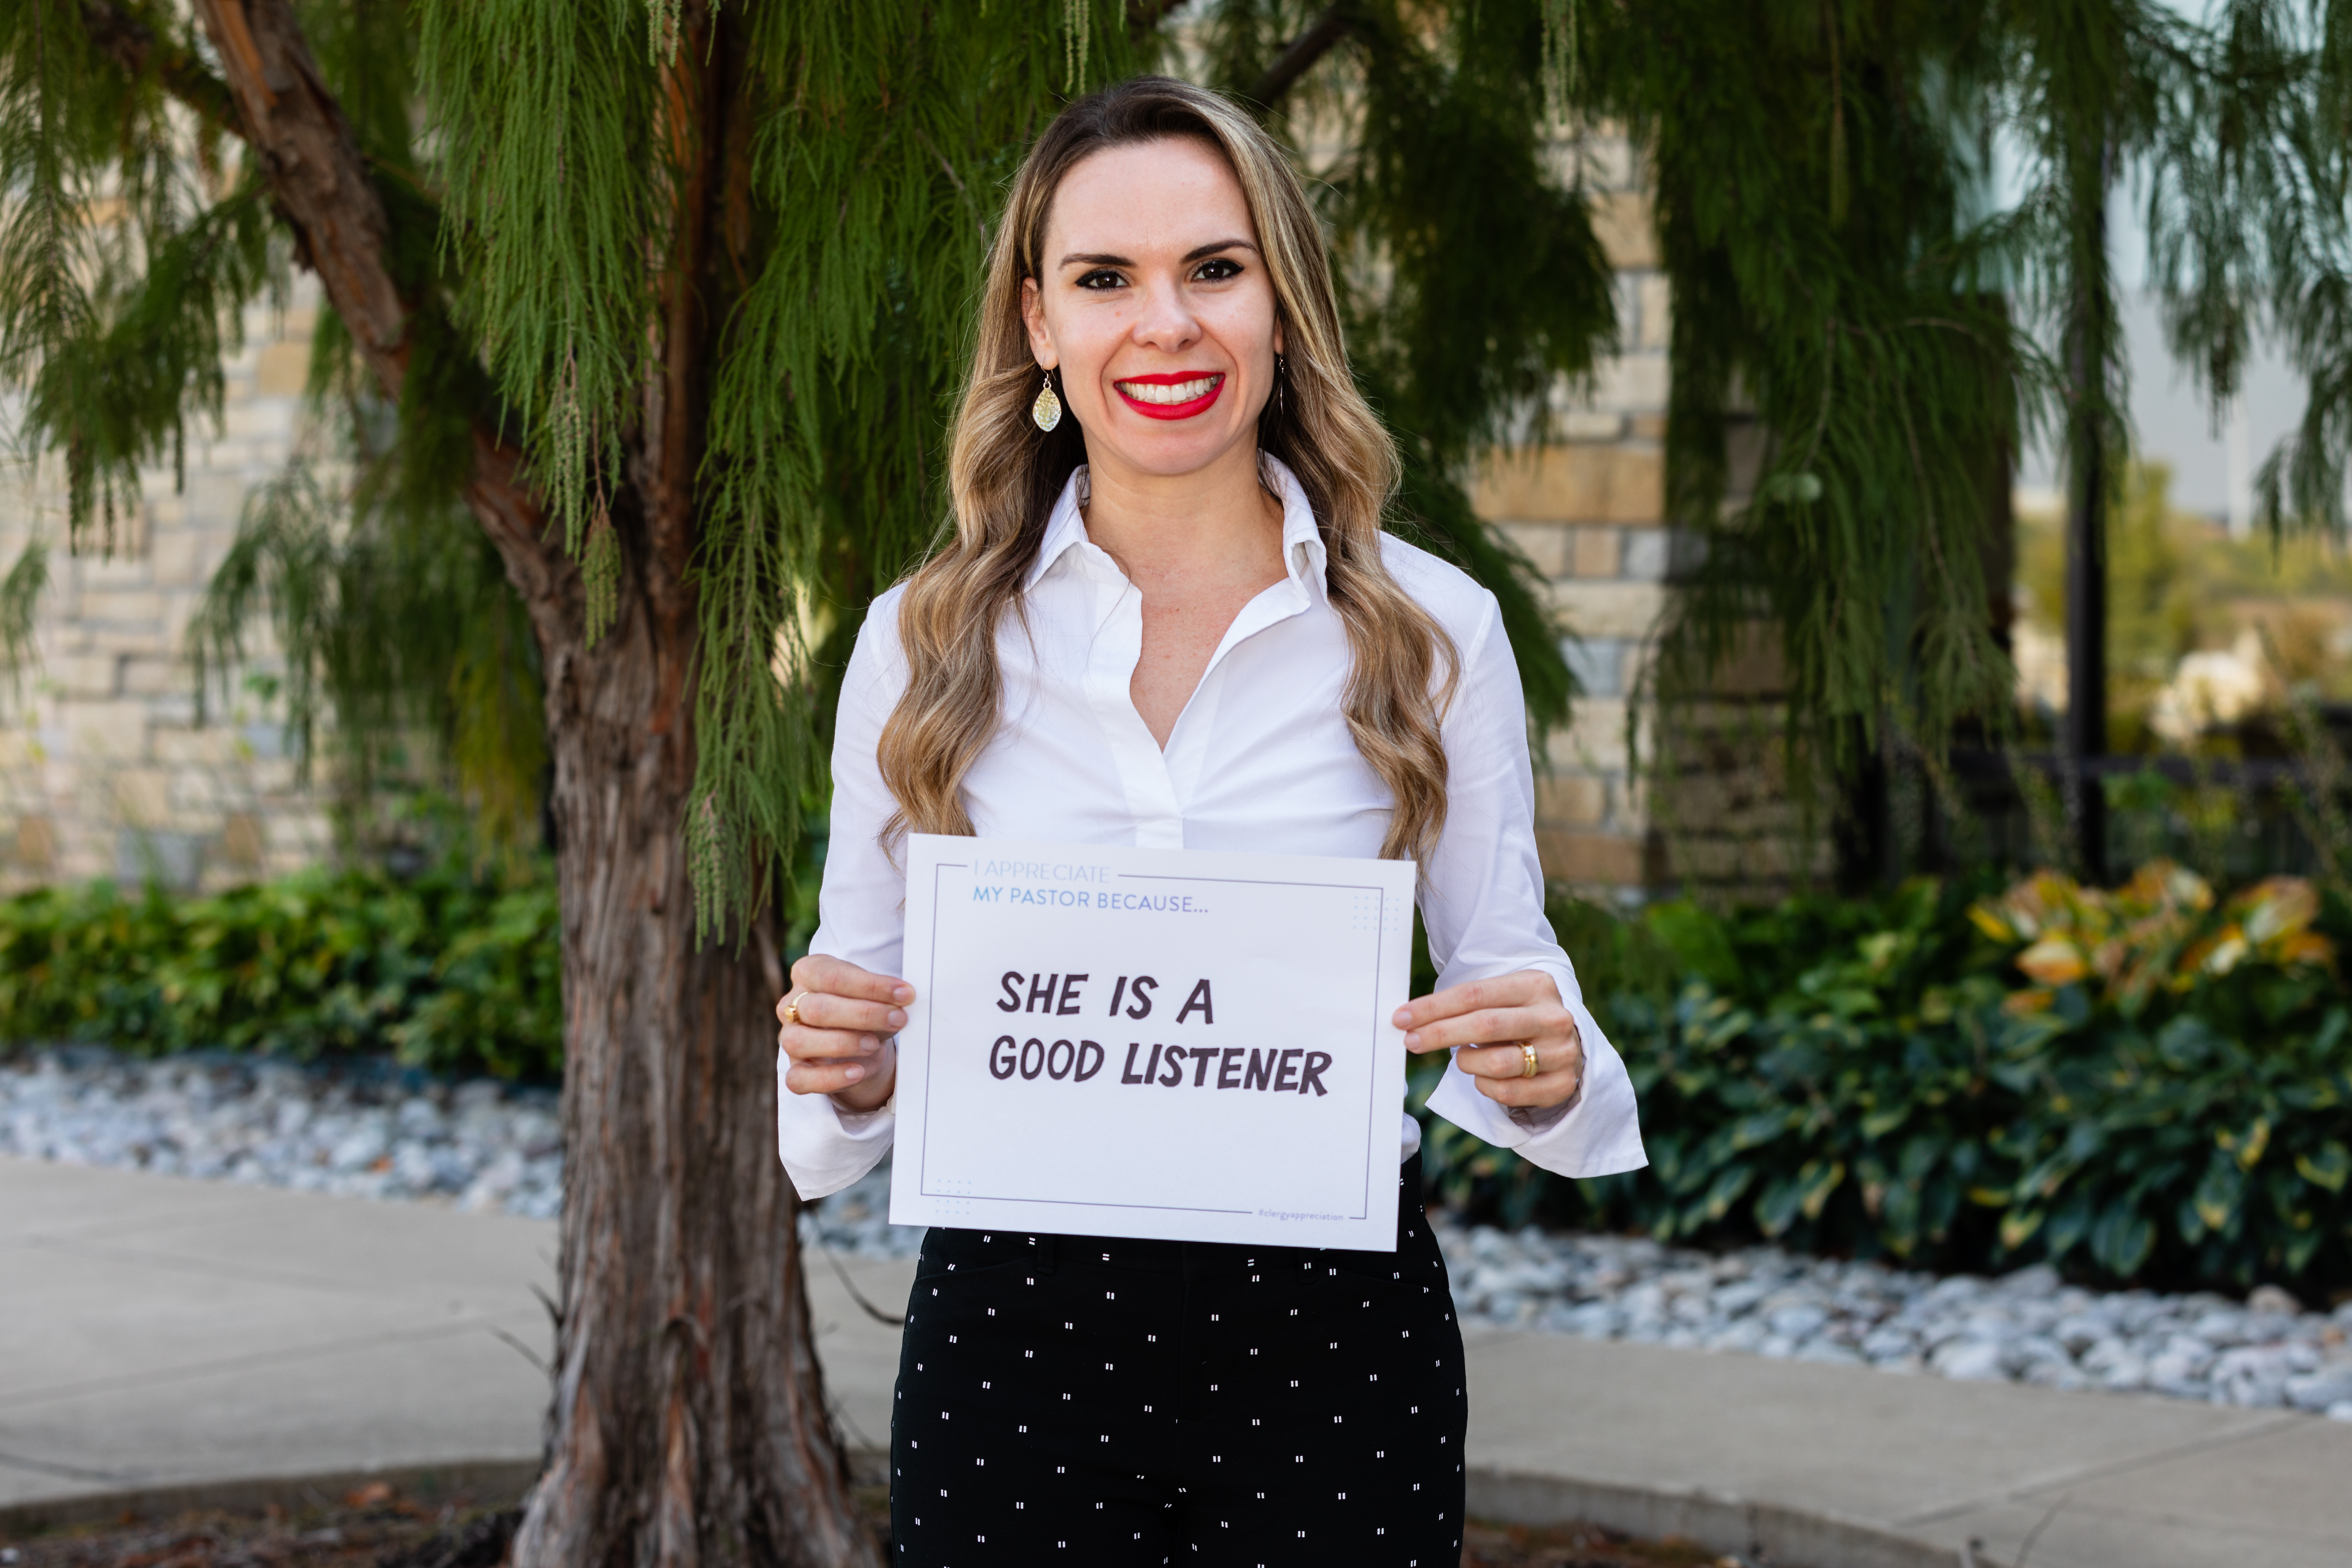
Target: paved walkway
157	1332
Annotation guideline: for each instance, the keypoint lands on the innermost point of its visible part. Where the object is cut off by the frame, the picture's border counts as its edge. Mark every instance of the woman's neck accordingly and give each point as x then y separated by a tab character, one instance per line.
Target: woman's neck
1215	523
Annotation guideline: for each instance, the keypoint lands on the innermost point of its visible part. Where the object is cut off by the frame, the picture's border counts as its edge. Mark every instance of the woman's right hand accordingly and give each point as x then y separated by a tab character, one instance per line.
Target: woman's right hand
841	1044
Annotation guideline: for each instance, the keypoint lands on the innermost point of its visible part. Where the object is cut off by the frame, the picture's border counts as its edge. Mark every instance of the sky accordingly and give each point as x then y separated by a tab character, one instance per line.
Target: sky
2212	470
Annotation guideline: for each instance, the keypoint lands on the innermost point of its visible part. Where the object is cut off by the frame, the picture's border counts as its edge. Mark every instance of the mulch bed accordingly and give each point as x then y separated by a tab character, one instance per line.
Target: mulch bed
377	1528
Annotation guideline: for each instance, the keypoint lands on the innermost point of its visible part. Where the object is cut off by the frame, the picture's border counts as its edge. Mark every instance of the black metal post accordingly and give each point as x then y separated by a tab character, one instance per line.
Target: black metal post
2085	738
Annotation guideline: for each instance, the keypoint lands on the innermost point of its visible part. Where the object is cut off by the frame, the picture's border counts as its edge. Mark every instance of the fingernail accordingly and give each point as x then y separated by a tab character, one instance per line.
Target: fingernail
1404	1017
898	1019
853	1072
903	994
868	1043
1412	1042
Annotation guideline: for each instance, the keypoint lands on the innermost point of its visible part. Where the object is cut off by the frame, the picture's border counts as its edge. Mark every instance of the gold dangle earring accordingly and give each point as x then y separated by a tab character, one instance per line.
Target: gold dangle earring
1047	410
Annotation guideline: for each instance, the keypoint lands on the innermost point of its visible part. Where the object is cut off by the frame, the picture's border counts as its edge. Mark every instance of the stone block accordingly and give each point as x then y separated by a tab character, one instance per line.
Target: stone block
243	843
111	730
1545	544
1620	221
215	497
153	676
106	637
1631	381
1574	484
1608	859
1593	742
1644	555
1610	609
171	859
1571	799
282	370
189	746
1629	800
1573	423
1654	312
36	849
1646	426
1594	553
95	572
1598	664
79	675
176	557
1595	161
142	795
232	458
264	424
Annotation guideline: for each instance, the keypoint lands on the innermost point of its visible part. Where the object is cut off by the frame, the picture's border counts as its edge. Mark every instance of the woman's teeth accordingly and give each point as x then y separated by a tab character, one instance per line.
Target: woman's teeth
1174	392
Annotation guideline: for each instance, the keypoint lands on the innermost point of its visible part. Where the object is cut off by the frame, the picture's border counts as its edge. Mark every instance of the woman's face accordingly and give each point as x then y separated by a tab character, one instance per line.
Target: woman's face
1155	307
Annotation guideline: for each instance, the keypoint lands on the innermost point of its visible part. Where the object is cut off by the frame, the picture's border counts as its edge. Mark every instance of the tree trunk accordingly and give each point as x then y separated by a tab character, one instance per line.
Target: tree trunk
689	1424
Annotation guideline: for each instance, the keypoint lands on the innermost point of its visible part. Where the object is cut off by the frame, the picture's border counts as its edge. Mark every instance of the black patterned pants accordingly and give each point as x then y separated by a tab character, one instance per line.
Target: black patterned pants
1079	1400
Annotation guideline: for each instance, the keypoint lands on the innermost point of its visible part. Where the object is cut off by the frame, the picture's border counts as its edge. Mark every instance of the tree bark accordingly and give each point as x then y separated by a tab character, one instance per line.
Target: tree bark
688	1423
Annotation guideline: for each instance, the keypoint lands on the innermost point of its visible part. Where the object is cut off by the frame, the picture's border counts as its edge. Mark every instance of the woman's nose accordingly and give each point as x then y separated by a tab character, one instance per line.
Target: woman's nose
1166	322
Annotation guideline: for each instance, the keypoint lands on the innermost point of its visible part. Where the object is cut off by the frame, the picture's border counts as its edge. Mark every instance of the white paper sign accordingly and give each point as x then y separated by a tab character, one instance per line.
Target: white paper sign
1172	1044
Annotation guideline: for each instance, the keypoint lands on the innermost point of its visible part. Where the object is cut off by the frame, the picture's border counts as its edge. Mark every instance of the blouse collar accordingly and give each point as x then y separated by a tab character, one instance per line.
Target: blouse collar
1303	553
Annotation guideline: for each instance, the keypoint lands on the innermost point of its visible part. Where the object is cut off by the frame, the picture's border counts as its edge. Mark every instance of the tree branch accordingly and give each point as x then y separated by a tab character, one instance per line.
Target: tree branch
1143	16
1299	58
132	44
320	182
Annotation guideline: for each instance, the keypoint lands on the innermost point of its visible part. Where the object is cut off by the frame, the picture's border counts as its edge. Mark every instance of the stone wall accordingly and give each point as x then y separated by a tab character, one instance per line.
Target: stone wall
104	770
1589	510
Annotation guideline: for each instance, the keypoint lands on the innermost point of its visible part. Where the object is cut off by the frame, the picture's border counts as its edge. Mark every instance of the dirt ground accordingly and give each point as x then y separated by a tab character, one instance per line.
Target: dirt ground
378	1527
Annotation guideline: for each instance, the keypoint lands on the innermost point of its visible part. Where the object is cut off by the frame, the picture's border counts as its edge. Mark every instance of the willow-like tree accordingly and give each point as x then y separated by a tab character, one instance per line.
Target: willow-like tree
642	319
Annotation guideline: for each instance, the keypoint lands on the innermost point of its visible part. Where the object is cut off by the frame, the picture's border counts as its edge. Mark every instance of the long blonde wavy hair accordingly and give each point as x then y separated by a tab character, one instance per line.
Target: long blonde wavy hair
1004	476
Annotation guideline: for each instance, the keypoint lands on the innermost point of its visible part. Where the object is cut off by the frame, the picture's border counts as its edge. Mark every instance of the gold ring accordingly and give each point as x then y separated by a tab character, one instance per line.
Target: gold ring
792	1009
1533	1067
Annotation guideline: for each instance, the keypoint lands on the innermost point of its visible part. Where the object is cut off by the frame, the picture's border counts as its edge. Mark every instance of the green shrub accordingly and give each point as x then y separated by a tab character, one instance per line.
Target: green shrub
445	971
2171	1103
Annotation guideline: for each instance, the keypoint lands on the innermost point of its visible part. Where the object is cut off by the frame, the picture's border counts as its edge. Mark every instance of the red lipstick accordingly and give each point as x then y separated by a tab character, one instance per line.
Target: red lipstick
1185	410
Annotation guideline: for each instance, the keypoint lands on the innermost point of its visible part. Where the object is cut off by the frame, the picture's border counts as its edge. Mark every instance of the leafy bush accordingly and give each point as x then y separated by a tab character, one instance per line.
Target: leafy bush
445	971
2144	1085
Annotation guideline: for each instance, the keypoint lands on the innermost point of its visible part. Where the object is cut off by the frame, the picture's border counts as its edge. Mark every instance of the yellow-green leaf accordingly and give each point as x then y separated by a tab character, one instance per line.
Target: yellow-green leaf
2328	1168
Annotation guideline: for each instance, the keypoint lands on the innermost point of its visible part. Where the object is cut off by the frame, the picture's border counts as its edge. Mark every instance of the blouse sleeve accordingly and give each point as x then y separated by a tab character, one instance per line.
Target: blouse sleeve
1483	904
861	908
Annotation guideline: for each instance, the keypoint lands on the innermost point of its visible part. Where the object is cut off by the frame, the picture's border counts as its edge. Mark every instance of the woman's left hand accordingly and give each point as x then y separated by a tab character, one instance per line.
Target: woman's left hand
1491	1019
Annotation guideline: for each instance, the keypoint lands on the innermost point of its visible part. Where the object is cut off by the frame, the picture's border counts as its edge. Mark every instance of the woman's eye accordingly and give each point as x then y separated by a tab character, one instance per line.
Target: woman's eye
1102	277
1217	269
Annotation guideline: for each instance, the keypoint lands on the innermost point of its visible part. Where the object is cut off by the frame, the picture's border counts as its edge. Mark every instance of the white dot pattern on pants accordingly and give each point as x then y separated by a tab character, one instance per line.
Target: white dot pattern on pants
1244	1429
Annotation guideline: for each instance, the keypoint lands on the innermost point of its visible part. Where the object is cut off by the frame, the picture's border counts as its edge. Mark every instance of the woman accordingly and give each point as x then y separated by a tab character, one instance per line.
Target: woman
1168	617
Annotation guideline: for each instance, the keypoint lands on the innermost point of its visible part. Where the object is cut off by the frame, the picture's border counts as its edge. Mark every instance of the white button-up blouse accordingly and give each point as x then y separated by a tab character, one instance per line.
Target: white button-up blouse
1261	759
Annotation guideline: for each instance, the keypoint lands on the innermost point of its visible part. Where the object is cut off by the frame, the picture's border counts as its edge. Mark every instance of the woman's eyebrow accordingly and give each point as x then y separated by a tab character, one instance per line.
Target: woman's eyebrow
1085	259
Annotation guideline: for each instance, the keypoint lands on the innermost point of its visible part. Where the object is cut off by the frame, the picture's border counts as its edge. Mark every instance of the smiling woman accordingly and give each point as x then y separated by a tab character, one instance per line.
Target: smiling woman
1172	620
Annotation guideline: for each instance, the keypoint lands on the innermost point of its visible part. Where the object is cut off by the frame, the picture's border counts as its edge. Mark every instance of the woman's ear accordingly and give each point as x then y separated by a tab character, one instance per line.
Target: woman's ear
1033	316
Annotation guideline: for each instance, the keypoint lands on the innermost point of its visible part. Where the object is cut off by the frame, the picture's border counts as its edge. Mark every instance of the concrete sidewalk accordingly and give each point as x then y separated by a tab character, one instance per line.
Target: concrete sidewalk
157	1333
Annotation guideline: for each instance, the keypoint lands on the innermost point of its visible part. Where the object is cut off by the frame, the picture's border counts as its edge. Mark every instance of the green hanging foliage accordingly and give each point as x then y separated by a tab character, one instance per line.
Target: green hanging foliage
1467	300
829	173
2249	204
1813	176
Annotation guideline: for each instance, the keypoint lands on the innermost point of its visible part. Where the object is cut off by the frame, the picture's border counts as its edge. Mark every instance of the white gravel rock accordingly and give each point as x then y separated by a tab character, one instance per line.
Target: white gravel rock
362	1129
2029	1326
366	1130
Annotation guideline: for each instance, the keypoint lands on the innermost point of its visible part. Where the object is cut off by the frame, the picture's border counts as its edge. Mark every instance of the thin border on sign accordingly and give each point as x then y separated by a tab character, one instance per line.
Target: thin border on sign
930	987
1379	952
